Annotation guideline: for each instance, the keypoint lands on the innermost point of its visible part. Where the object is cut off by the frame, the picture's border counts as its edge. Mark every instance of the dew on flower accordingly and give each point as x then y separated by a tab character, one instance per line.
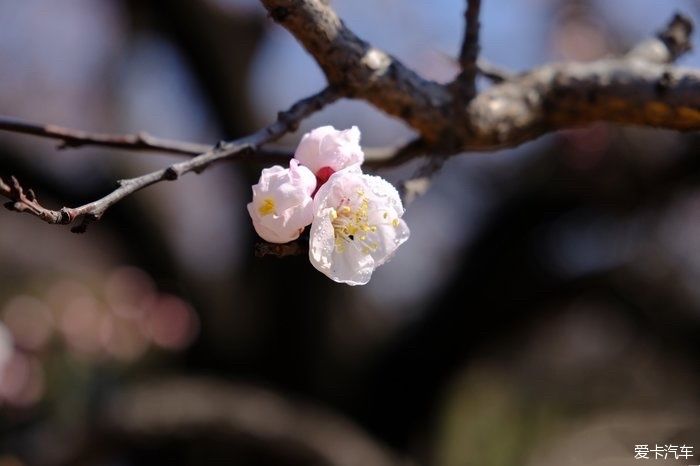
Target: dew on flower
355	229
355	218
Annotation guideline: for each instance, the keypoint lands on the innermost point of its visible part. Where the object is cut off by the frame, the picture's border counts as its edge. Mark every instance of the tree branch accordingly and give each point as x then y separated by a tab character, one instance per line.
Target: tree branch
637	89
25	200
359	70
553	97
492	72
140	142
389	157
466	81
74	138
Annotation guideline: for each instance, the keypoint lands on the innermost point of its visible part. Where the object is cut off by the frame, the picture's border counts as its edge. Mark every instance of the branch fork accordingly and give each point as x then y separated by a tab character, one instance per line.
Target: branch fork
641	88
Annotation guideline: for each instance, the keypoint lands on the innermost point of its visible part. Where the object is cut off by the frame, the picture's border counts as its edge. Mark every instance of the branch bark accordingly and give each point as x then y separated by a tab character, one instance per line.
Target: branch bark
637	89
70	138
466	81
377	157
625	91
492	72
359	70
75	138
640	88
25	200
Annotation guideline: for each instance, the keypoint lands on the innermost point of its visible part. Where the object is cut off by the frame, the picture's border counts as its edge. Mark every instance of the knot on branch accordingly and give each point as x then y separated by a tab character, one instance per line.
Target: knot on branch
68	143
143	139
279	14
171	174
287	118
676	35
664	83
86	220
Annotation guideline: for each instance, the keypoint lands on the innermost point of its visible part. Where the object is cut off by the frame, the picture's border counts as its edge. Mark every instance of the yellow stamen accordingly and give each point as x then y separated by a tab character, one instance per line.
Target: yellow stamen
350	225
267	207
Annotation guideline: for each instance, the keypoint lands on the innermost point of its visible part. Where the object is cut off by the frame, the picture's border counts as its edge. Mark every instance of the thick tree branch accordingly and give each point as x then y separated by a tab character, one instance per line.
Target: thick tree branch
360	70
625	91
25	201
639	89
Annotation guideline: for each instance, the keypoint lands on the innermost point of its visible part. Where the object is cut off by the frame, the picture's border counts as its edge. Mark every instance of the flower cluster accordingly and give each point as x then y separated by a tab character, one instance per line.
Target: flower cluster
355	218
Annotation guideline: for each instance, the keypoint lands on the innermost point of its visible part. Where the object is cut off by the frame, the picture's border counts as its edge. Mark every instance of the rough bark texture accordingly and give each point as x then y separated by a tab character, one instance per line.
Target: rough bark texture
626	91
640	88
636	89
361	70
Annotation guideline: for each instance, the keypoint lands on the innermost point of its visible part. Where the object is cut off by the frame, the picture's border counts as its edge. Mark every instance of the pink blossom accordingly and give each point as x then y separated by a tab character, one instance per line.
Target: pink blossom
326	150
357	226
282	205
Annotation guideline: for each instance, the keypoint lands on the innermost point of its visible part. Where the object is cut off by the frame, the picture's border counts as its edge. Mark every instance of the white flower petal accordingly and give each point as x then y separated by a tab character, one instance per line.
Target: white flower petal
357	226
326	147
282	205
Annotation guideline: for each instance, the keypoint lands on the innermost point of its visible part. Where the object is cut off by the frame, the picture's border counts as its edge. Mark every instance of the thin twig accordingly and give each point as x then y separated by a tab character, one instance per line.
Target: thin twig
675	36
389	157
25	200
470	50
493	72
74	138
142	141
295	248
419	182
71	138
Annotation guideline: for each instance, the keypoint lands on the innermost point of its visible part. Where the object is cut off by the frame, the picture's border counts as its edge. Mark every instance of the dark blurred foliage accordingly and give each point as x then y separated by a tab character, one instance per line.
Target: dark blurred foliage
545	311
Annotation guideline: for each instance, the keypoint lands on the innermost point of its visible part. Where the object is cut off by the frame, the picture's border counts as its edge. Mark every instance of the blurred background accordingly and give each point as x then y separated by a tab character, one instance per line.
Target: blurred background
546	310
